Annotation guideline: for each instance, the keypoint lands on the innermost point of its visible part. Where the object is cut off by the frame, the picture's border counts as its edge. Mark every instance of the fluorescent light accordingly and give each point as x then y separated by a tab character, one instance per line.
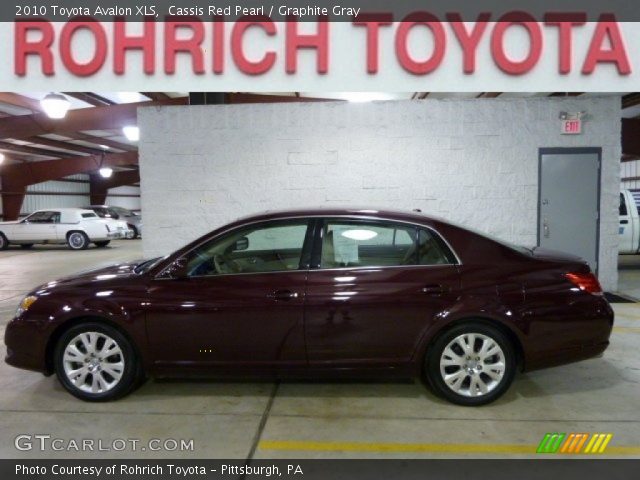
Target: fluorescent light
55	105
2	157
132	133
366	96
359	234
106	172
104	147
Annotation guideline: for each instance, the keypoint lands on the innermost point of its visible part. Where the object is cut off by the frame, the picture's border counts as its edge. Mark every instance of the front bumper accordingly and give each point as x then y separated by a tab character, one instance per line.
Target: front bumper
26	346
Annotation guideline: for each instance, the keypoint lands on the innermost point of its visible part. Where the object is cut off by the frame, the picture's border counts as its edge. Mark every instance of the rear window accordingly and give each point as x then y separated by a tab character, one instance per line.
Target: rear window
89	215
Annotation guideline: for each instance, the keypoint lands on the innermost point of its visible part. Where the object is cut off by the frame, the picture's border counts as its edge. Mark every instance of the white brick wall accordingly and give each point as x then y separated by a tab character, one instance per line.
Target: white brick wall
471	161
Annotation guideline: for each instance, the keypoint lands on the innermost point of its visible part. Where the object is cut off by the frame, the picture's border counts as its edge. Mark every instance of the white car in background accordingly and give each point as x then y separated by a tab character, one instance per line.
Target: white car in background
629	227
76	227
119	227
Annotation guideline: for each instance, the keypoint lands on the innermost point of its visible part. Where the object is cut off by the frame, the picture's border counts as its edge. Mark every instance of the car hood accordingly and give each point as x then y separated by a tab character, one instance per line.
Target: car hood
109	274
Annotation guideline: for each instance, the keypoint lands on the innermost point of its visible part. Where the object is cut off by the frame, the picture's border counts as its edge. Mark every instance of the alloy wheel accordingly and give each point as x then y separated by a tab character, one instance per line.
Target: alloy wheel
472	365
93	362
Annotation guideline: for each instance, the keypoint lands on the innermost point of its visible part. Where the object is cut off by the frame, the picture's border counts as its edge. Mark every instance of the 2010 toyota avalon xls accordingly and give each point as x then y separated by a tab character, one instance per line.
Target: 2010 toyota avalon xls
321	293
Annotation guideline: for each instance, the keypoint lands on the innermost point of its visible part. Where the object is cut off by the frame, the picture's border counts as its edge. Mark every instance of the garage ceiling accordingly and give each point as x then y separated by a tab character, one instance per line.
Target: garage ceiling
93	126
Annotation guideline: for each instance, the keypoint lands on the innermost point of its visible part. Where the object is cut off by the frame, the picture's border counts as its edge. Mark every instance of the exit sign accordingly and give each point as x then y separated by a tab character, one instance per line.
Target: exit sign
571	127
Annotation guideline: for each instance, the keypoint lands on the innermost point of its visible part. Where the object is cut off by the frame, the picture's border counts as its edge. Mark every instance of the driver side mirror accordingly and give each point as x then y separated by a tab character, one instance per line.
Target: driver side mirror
178	269
241	244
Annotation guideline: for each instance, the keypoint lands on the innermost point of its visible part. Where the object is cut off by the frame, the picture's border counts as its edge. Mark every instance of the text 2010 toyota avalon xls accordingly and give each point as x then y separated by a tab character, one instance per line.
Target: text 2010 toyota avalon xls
318	293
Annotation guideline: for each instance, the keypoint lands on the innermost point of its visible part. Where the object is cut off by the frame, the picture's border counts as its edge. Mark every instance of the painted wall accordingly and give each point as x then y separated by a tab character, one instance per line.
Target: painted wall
125	197
471	161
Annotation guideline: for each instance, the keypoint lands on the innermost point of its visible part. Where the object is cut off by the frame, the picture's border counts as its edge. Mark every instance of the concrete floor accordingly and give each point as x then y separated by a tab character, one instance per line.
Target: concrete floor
315	420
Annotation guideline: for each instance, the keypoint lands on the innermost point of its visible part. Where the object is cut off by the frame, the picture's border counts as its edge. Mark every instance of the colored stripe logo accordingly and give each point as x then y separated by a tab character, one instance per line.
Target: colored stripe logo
574	443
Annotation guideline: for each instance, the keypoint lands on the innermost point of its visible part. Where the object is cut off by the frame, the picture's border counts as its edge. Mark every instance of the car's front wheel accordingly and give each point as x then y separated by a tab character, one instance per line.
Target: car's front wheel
77	240
95	362
471	364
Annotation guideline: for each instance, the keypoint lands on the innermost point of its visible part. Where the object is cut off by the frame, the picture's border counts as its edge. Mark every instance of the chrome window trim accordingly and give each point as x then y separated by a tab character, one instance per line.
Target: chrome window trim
159	276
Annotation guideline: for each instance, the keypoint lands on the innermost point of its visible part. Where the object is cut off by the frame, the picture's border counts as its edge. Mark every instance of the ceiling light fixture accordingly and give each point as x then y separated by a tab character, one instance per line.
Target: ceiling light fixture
132	133
2	157
106	172
55	105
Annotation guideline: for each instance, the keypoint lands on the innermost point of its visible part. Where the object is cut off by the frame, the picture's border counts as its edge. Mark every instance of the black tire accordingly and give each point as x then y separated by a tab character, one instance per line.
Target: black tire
26	246
135	231
4	243
77	240
102	243
130	374
467	391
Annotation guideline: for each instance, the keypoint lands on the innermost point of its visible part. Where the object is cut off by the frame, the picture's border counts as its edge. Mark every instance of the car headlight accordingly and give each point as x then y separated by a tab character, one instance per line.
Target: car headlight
25	304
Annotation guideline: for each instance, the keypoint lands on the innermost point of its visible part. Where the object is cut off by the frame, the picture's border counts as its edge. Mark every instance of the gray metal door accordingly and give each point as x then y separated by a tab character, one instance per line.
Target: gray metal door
568	208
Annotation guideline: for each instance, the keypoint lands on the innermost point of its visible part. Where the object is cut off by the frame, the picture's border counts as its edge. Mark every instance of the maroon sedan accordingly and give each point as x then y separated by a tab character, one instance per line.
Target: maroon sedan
318	293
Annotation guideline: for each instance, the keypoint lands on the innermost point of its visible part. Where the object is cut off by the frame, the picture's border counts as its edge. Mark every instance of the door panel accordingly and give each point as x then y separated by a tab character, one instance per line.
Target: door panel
228	320
569	202
372	315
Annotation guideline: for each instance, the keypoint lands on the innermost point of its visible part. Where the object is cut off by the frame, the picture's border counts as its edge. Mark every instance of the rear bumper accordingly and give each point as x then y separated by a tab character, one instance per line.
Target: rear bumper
569	355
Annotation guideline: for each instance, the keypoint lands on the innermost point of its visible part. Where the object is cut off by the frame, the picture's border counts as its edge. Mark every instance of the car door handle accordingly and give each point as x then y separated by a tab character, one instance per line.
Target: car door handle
433	289
282	295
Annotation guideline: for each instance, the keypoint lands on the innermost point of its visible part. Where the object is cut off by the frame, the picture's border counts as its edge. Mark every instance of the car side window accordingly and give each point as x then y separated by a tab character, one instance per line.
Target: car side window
270	247
432	250
623	206
367	244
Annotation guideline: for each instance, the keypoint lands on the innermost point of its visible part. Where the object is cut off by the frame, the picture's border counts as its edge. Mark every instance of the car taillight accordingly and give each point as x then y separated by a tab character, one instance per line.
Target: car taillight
585	281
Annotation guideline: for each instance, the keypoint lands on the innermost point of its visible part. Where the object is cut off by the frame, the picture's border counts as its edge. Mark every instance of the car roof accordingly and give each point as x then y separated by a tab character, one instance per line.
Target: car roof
64	209
413	216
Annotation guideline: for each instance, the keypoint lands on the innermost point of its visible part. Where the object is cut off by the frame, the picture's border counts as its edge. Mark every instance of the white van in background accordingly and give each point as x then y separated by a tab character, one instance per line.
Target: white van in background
629	222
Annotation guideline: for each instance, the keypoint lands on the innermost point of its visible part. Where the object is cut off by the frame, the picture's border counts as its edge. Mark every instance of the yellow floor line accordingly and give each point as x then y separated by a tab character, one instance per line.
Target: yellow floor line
417	447
626	329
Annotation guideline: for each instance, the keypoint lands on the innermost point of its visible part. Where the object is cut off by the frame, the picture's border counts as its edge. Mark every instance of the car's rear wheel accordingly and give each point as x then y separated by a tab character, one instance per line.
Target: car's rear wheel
95	362
102	243
4	243
471	364
77	240
135	231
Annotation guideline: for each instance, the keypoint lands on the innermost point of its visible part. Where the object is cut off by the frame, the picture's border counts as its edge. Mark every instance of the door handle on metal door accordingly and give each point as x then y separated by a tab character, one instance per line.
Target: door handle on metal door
283	295
545	227
624	222
433	289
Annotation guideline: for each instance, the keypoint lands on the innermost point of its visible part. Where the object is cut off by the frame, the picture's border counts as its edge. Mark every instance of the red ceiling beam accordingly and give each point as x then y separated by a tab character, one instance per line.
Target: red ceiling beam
90	98
37	172
21	101
98	118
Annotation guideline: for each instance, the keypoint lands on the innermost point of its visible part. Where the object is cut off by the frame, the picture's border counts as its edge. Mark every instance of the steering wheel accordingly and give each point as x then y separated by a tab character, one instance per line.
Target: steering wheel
225	265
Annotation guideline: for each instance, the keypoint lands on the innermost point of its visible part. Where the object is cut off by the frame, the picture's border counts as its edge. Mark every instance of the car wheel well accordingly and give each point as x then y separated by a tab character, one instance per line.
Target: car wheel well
510	334
74	231
61	329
